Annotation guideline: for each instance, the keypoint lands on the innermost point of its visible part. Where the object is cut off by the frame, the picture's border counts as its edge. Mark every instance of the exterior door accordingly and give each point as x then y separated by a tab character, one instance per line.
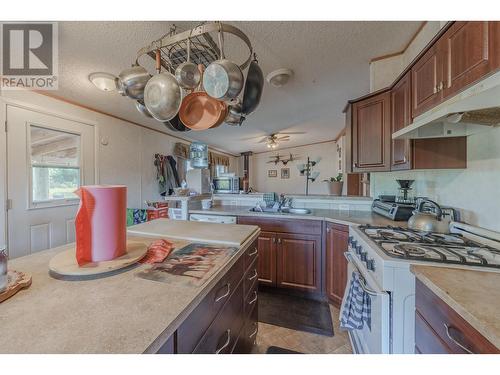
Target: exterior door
267	258
299	262
48	157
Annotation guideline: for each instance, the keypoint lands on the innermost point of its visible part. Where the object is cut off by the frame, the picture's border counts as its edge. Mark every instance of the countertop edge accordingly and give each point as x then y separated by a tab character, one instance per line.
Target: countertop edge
176	323
456	306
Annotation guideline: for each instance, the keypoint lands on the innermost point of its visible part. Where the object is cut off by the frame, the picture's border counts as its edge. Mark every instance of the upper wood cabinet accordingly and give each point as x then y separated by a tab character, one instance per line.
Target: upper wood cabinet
426	76
465	53
371	129
471	50
400	118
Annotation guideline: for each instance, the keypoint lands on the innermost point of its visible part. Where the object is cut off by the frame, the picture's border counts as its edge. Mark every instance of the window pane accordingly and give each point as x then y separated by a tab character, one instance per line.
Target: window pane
55	183
54	147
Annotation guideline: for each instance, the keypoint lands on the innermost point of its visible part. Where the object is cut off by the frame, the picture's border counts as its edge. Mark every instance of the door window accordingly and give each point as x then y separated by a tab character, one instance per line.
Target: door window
55	166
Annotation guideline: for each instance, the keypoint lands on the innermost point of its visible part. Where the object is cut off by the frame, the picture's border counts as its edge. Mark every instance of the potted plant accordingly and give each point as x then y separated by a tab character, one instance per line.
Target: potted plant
335	184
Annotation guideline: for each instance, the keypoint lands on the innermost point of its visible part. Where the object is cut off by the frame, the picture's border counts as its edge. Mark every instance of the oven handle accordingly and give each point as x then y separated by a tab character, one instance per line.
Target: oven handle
368	291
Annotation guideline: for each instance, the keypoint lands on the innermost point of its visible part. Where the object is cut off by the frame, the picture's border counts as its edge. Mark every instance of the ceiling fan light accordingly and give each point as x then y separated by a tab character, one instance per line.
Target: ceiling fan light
279	77
103	81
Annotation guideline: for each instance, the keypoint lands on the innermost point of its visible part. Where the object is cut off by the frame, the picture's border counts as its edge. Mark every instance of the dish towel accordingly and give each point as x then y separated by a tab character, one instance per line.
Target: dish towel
356	308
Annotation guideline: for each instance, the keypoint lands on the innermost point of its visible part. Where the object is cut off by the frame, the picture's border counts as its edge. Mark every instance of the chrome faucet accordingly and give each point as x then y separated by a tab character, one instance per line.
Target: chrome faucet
282	202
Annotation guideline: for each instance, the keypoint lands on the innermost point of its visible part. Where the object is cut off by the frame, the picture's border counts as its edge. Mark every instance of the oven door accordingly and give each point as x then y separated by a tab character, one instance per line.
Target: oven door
373	339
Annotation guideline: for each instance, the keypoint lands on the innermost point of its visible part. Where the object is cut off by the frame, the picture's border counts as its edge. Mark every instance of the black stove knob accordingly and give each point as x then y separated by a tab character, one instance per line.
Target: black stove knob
370	264
358	249
363	255
349	241
353	243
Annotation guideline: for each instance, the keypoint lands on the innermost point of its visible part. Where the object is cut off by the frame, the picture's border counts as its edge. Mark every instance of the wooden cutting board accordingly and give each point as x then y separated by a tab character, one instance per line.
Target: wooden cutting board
65	263
17	281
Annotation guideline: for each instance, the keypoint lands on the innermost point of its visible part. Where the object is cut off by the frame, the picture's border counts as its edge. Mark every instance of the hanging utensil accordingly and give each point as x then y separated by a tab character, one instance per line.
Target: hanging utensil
223	79
131	82
139	104
162	94
187	74
254	85
200	111
177	124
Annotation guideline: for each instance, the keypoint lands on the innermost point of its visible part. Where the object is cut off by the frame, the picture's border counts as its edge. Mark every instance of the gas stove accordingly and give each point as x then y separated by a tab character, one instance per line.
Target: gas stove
383	256
407	244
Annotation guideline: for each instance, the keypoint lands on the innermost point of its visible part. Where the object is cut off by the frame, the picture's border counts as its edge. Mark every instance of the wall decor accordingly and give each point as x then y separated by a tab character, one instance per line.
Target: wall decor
285	172
272	173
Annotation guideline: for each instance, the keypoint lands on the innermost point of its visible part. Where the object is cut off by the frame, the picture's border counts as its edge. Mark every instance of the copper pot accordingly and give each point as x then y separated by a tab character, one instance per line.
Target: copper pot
199	111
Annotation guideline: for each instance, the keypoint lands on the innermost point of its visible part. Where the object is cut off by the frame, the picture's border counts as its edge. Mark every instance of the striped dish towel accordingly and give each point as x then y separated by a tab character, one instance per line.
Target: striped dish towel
356	308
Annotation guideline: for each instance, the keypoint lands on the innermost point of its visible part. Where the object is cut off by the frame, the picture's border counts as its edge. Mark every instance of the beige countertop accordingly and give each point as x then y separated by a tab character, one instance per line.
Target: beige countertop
474	295
346	217
121	313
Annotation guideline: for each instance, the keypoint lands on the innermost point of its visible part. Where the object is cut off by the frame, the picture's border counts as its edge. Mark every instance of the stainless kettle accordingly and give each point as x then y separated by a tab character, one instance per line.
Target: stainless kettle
429	221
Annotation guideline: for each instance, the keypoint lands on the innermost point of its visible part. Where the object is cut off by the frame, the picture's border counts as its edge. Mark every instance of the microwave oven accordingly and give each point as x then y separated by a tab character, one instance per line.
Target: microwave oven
228	184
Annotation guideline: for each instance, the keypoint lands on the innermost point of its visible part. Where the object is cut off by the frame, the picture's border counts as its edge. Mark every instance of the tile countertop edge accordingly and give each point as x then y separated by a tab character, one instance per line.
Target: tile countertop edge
481	327
176	323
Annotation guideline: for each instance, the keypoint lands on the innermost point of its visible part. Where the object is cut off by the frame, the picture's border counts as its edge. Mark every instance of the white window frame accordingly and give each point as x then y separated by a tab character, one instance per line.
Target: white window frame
31	205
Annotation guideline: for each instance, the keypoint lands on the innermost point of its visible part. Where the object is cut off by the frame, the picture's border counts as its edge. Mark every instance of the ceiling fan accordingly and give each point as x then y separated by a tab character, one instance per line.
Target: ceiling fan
272	140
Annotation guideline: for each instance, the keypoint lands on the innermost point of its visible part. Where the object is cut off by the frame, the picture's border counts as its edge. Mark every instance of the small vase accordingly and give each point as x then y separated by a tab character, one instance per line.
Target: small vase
335	187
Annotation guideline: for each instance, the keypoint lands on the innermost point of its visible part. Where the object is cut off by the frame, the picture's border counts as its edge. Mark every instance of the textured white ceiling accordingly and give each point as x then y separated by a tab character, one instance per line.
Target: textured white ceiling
330	61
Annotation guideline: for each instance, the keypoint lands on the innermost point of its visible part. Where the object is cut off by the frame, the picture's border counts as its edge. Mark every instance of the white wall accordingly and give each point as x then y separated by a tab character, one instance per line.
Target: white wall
384	72
128	157
328	167
475	190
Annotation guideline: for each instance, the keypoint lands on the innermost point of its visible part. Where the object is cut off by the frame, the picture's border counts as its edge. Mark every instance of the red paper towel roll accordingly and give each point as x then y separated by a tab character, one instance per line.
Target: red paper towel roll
101	223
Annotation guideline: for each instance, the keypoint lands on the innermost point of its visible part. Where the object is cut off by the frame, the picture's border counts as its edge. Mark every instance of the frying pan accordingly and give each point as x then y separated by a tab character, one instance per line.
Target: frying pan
254	86
162	94
199	111
187	74
177	124
139	104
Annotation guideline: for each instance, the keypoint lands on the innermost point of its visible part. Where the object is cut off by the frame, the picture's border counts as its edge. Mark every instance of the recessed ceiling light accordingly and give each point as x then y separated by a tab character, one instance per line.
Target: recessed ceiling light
103	81
279	77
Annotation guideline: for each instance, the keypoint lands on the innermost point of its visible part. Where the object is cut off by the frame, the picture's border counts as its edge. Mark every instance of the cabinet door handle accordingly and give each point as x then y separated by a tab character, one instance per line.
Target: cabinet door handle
274	240
254	299
279	240
454	340
226	344
228	286
253	276
253	253
254	332
441	86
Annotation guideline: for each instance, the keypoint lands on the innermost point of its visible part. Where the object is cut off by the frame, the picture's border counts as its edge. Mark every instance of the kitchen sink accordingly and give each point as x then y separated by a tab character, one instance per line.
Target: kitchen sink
293	211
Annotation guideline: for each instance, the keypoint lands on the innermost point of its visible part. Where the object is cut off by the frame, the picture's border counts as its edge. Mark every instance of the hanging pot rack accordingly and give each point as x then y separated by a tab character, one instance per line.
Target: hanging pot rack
204	50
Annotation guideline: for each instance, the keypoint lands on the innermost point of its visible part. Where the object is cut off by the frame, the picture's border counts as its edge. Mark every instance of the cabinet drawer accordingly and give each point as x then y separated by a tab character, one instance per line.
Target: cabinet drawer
451	328
193	328
251	278
248	335
251	254
221	336
251	299
426	340
283	225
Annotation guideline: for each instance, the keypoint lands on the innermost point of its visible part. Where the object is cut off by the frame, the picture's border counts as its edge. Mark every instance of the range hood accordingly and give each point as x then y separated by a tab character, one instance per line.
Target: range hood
471	111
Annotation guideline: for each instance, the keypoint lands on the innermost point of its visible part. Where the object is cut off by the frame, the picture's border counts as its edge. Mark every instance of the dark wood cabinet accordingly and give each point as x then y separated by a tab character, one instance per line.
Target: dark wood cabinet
371	130
439	329
400	118
336	264
299	262
471	50
290	253
426	76
267	258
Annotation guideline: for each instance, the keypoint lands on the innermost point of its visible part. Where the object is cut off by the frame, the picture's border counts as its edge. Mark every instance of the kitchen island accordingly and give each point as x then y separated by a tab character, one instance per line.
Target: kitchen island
123	313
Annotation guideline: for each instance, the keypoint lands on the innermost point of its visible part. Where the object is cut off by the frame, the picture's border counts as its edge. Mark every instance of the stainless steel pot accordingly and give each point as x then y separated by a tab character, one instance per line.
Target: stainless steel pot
162	94
139	104
132	81
234	116
187	74
428	221
223	79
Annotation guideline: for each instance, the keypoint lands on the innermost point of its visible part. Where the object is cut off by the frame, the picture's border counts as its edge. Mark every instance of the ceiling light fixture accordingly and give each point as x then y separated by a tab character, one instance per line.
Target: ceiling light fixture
103	81
279	77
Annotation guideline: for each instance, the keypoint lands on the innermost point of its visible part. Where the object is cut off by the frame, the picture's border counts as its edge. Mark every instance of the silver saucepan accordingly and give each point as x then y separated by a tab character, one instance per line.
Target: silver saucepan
131	82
